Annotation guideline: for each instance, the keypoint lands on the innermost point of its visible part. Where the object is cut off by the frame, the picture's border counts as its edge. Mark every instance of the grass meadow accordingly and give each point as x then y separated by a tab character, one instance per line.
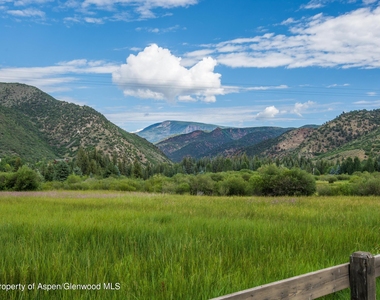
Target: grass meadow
157	246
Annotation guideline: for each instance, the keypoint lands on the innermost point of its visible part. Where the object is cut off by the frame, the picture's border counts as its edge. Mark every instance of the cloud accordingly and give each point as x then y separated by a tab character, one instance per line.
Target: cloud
338	85
56	78
29	12
346	41
29	2
299	108
368	2
370	104
288	21
94	20
159	30
142	7
111	10
157	74
265	88
313	4
269	113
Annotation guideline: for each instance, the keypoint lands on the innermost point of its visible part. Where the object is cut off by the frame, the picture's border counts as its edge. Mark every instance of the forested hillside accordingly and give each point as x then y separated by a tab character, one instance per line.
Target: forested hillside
36	126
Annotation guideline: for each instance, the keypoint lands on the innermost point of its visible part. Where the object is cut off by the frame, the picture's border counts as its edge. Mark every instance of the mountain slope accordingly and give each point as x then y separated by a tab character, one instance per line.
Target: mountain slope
350	134
63	127
18	135
288	142
256	136
340	131
161	131
228	141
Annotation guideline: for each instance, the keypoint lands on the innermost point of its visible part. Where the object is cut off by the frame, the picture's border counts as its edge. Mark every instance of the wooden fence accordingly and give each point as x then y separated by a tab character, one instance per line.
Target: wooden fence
359	275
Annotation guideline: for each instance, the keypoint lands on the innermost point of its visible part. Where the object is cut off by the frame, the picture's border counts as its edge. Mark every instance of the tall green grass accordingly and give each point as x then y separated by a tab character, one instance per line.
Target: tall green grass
175	247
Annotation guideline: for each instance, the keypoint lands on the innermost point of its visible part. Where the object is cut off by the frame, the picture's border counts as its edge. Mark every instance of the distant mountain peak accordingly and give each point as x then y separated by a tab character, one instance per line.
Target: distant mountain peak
161	131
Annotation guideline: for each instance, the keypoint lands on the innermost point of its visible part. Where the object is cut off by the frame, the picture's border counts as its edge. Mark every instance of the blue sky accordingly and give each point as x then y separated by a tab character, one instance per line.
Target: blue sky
233	63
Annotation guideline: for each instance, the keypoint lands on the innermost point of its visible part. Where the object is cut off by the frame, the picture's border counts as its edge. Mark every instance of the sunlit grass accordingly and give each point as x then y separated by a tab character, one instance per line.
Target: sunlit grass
175	247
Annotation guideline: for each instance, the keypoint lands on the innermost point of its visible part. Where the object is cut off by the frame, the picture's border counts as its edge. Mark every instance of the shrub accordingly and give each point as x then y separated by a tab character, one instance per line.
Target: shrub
326	190
282	181
182	188
26	179
202	184
73	179
7	180
155	184
256	185
367	187
343	177
331	179
232	185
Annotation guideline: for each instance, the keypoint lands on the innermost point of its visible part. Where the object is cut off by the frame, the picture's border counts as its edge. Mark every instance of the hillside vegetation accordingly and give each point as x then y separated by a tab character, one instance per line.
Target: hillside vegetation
37	126
351	134
226	142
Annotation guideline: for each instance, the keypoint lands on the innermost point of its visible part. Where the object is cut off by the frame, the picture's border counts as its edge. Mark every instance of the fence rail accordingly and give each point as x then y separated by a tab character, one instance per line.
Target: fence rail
359	275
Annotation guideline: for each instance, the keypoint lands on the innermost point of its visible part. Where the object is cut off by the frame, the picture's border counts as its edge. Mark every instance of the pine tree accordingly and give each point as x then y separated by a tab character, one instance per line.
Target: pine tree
62	171
136	170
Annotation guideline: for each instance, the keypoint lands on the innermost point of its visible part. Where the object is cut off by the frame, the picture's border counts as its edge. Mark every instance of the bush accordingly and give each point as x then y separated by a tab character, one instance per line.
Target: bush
326	190
154	184
282	181
256	185
232	185
202	185
7	181
367	187
182	188
331	179
26	179
73	179
343	177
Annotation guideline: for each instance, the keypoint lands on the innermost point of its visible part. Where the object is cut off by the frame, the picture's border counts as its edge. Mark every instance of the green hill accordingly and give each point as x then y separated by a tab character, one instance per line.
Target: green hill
37	126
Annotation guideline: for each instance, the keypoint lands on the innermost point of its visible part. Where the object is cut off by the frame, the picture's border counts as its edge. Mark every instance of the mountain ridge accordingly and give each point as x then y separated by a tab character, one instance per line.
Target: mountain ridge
163	130
199	144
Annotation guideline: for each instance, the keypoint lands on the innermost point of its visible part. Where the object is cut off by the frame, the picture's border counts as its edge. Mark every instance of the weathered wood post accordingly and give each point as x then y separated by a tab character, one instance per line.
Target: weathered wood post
362	276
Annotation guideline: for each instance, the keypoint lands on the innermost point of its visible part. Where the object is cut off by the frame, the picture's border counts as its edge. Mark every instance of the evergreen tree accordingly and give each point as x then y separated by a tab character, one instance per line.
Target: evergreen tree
357	167
82	161
137	170
62	171
369	165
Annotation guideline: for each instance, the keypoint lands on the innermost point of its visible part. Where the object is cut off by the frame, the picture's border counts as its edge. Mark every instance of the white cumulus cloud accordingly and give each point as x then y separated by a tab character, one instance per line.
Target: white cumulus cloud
269	113
157	74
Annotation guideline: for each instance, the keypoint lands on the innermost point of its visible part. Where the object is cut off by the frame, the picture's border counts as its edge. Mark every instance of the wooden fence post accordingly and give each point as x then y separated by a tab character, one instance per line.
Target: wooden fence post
362	276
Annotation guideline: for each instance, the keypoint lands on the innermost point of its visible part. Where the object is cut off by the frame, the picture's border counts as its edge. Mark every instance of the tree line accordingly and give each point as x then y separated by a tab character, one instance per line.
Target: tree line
92	163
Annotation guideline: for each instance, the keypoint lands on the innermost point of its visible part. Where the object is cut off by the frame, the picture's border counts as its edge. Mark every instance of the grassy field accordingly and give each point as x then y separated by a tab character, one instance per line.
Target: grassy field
156	246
